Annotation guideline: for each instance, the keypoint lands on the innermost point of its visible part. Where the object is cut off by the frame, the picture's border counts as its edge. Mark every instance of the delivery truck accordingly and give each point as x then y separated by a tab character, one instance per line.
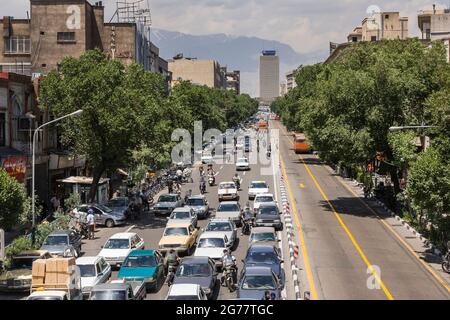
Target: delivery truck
55	279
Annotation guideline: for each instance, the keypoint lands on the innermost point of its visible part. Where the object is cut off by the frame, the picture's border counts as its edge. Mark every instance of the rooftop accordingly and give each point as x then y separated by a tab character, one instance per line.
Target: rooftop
124	235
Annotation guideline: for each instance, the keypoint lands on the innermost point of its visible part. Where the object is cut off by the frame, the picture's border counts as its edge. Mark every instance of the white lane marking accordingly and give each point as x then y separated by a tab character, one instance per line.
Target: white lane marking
245	172
221	167
130	228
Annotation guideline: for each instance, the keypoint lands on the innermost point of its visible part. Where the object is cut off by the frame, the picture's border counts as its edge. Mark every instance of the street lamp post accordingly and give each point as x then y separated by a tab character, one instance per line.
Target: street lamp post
410	128
33	204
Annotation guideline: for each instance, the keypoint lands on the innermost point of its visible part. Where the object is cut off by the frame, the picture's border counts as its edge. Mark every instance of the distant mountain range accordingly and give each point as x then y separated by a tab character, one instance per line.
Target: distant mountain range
237	52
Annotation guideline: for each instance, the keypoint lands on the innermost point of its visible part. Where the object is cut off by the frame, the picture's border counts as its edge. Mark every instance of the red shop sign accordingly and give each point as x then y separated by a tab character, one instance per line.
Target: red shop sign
15	166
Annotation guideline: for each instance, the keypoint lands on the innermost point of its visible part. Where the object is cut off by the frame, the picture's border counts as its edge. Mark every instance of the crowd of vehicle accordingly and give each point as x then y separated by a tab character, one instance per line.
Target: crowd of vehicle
193	262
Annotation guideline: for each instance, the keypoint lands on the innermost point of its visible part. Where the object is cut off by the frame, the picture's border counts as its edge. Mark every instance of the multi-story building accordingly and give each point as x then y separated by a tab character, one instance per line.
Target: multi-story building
434	24
269	76
202	72
379	26
57	29
290	80
234	81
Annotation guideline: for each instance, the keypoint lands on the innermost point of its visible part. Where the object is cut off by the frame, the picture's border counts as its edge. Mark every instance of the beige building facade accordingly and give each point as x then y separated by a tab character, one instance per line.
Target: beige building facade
434	24
201	72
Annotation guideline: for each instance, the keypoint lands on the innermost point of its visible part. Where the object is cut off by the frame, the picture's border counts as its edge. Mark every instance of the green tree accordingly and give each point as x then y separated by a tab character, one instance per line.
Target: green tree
13	201
118	103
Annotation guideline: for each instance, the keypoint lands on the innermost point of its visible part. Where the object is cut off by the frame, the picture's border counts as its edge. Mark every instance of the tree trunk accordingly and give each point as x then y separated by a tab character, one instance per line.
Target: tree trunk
97	174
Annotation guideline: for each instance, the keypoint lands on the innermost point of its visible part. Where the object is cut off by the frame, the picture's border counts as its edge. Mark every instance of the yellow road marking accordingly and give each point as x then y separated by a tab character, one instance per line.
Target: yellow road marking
352	238
407	246
302	186
309	275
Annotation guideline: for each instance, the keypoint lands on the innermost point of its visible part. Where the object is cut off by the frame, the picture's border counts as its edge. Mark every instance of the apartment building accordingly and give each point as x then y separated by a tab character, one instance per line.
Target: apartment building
58	29
434	24
269	76
201	72
290	80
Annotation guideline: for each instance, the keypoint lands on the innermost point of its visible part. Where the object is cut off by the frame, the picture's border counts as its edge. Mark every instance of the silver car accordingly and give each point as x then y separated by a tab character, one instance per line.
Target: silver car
103	215
223	225
230	210
200	205
183	214
167	203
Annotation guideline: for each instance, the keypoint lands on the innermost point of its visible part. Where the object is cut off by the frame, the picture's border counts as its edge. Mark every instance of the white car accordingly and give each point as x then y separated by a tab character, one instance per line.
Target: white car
212	245
225	226
262	198
117	248
93	271
242	164
257	187
186	292
183	214
228	191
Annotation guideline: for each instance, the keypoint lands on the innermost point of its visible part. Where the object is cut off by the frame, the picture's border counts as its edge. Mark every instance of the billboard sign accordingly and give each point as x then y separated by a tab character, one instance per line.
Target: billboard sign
15	166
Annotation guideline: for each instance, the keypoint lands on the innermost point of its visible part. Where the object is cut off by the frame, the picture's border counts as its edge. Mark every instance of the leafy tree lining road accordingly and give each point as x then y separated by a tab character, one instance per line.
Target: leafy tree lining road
347	107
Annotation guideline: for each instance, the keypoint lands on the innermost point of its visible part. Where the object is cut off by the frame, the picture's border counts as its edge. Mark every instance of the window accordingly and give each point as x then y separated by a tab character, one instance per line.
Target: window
386	16
355	39
66	36
18	45
373	38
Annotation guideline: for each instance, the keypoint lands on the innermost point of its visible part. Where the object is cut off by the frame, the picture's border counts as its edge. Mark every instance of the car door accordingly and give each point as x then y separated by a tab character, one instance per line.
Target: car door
105	270
139	242
99	216
193	235
194	217
160	265
98	272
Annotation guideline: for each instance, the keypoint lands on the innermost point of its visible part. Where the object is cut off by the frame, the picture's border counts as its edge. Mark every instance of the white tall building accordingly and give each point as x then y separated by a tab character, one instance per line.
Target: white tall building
269	76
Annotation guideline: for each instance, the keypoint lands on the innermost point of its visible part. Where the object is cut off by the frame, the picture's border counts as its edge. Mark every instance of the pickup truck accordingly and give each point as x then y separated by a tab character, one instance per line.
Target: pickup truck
119	290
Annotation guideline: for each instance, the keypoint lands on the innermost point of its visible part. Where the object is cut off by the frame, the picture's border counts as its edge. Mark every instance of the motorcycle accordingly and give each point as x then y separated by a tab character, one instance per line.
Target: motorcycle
202	187
446	262
172	269
211	180
247	226
238	183
228	277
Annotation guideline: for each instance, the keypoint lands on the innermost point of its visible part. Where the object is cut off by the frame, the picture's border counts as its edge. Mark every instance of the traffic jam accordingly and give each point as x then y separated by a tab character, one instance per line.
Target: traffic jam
211	231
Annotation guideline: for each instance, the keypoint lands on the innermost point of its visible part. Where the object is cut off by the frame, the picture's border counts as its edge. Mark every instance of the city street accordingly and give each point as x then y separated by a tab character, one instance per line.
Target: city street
344	237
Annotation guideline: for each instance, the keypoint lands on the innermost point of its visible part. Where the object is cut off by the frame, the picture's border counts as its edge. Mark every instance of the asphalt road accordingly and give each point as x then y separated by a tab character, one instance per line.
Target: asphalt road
351	252
150	228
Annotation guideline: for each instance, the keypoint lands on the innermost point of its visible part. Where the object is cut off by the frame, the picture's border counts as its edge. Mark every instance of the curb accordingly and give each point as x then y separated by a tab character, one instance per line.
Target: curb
293	247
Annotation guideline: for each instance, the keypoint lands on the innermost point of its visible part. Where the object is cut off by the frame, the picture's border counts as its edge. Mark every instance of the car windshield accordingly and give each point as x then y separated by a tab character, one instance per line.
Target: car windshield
194	270
22	263
195	202
176	232
211	243
228	207
258	282
181	215
228	186
87	270
258	185
243	160
103	208
118	203
140	262
109	295
56	240
182	298
167	198
219	226
264	199
117	244
269	236
268	257
269	210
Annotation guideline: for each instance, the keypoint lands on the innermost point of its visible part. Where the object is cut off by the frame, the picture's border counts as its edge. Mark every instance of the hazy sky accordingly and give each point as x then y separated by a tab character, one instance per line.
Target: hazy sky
307	25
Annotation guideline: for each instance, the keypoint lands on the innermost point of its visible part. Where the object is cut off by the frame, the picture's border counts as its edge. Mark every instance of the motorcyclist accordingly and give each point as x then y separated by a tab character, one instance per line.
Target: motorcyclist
173	261
186	173
229	261
247	219
237	180
202	184
179	175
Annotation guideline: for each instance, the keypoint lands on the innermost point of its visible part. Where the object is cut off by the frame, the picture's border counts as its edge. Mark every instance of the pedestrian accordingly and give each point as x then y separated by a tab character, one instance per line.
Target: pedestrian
55	203
170	186
267	295
90	219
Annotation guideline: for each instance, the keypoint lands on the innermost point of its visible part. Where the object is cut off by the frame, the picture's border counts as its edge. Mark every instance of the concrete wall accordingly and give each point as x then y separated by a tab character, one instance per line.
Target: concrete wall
125	36
47	19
